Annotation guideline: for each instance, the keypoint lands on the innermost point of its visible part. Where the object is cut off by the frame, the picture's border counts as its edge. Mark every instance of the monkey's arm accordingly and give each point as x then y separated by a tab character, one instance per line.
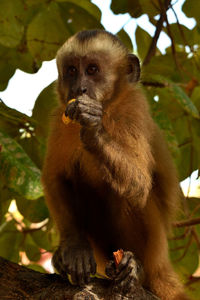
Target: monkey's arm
126	162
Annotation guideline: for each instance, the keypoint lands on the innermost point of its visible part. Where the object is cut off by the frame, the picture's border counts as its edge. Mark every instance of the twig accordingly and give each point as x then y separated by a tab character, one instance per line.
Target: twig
196	237
159	26
192	280
186	249
172	41
154	84
189	222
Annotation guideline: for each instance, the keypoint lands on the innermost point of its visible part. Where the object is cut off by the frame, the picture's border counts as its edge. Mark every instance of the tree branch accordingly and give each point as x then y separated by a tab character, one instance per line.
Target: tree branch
159	26
18	282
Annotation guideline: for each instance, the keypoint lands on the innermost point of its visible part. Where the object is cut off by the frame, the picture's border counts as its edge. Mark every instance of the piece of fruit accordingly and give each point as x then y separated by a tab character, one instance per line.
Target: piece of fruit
66	120
118	255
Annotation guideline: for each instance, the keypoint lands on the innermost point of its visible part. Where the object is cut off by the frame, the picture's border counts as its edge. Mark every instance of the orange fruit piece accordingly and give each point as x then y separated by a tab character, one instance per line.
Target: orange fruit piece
66	120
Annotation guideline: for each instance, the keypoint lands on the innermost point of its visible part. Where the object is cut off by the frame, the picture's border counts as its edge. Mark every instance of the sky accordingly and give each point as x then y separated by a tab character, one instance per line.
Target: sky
23	88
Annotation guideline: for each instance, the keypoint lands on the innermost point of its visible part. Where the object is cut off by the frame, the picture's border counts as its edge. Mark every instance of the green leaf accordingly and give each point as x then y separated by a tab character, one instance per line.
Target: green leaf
35	211
17	170
182	98
41	238
124	37
43	110
196	97
183	35
36	268
31	249
74	16
35	148
164	123
143	40
187	162
46	33
92	9
184	254
10	241
131	6
11	20
6	68
34	2
151	8
193	290
136	8
192	9
12	120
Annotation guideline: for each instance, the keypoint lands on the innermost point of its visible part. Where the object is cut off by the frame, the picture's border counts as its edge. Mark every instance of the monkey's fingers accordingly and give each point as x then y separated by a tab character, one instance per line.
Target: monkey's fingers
92	110
83	276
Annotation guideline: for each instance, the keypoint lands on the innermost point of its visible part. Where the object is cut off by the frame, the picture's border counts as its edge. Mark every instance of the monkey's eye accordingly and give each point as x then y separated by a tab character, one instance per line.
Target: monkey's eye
92	69
71	71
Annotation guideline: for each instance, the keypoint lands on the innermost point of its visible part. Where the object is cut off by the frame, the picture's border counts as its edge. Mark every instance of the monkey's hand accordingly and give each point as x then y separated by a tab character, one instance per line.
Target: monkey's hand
86	111
76	259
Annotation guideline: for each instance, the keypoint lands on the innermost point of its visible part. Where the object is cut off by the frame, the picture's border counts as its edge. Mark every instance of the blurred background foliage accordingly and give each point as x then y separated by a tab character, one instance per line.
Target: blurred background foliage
31	31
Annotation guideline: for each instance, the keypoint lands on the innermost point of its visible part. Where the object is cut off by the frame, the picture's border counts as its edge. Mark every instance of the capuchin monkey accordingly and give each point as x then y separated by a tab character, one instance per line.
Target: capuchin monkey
108	178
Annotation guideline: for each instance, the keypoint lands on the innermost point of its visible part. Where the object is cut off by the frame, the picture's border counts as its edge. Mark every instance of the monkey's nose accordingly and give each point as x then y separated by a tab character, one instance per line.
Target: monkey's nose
83	90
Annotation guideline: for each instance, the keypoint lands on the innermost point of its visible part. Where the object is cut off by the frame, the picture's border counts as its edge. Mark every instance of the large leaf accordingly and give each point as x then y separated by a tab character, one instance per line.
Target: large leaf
43	110
183	35
125	38
136	8
74	15
143	40
183	253
184	100
34	211
92	9
196	97
164	123
11	17
6	68
46	33
17	170
131	6
10	241
11	120
32	250
41	238
192	9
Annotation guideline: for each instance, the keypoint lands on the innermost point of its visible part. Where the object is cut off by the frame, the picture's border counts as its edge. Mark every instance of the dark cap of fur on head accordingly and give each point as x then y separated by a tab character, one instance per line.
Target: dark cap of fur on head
94	40
86	35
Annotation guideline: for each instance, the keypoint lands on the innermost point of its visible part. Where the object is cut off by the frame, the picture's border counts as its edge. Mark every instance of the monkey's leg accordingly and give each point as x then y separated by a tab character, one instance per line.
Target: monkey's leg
127	280
74	255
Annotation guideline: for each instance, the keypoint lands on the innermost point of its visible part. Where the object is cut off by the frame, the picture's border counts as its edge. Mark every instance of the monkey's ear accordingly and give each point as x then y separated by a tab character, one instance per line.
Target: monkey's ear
133	70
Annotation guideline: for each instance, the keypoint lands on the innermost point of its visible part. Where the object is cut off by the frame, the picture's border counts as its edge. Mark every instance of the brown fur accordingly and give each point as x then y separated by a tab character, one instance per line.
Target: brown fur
126	181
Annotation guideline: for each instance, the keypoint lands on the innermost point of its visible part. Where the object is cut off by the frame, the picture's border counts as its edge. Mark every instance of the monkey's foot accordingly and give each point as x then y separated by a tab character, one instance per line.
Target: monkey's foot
126	277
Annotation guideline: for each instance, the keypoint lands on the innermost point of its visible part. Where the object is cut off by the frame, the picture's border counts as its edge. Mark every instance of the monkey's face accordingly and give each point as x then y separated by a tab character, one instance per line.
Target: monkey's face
92	74
95	63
